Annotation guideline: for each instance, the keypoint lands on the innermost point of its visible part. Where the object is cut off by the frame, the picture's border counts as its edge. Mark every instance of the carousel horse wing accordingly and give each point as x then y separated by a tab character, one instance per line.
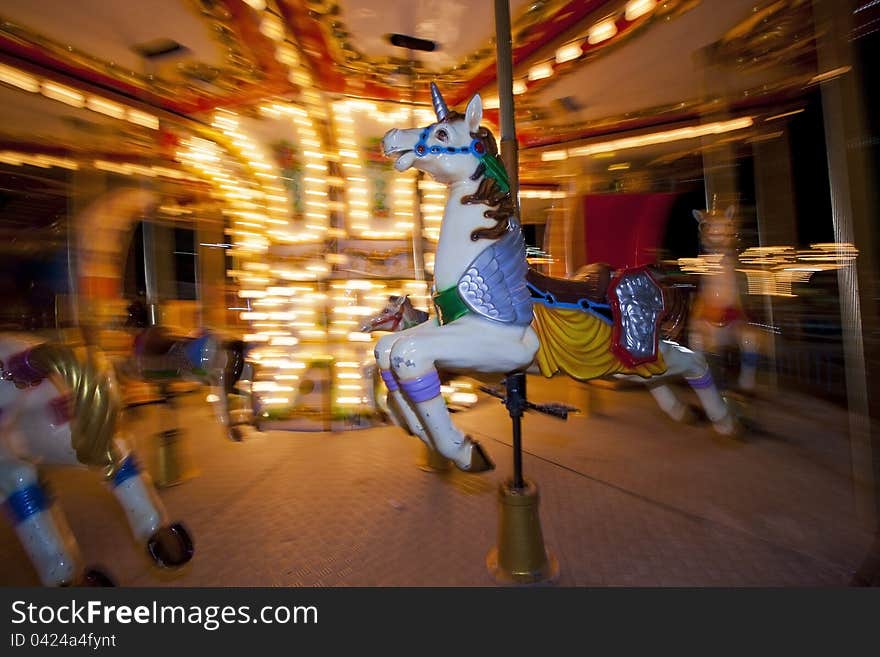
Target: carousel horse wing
494	287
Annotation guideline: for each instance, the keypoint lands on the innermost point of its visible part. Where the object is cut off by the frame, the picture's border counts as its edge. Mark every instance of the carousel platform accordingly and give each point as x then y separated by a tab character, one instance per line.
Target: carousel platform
626	499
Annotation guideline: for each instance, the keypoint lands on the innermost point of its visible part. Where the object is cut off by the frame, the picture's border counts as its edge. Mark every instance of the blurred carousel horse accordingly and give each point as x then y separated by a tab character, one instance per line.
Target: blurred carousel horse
496	316
59	410
718	319
208	359
398	315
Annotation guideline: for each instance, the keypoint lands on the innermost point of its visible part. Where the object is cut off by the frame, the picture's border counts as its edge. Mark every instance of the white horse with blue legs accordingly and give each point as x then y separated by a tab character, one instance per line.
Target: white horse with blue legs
57	409
493	317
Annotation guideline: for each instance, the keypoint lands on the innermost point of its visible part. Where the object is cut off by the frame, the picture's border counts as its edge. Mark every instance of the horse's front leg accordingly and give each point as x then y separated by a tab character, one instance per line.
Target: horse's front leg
419	383
169	544
402	414
669	403
693	367
39	523
469	344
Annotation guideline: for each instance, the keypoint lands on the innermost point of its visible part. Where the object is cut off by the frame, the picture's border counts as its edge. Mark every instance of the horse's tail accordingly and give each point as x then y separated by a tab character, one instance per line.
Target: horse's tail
95	401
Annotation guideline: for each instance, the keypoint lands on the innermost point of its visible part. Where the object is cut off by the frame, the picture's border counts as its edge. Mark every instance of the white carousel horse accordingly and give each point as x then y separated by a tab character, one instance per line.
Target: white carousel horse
56	409
206	358
492	319
718	319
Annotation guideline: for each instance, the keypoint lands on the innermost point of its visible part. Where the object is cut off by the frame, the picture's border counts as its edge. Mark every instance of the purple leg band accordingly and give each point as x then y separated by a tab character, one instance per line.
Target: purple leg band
423	388
388	378
702	382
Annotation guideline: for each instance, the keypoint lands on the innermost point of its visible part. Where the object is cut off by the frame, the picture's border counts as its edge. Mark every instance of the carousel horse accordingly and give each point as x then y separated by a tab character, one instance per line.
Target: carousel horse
718	319
398	315
207	359
57	409
496	316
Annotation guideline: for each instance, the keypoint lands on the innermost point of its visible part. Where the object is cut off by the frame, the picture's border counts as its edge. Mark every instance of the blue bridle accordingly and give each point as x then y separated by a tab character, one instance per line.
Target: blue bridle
476	147
493	168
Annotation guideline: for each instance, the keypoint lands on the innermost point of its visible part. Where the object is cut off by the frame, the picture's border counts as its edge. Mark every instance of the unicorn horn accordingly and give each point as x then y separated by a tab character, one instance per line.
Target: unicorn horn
439	104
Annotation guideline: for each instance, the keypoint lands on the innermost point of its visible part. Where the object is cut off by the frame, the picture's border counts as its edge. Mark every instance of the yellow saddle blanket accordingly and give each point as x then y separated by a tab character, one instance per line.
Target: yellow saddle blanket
579	344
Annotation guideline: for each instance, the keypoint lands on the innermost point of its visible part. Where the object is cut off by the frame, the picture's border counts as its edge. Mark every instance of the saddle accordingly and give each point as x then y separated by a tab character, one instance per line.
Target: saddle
590	282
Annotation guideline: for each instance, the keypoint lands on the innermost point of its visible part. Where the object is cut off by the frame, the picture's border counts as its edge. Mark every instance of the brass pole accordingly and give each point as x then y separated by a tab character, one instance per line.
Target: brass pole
520	556
503	49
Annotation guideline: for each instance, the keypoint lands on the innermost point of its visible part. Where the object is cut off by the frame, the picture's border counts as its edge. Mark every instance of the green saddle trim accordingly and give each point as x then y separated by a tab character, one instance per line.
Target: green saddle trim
449	305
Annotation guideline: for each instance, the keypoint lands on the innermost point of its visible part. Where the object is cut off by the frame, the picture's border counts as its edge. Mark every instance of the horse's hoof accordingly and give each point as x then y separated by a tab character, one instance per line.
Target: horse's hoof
730	427
480	461
170	546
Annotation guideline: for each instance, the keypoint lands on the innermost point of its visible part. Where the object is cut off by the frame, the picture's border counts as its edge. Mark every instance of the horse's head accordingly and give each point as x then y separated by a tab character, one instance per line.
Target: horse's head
397	315
718	230
450	149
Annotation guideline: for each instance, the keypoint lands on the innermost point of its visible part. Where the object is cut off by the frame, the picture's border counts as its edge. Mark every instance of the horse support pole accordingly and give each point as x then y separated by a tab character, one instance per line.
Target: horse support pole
169	466
520	556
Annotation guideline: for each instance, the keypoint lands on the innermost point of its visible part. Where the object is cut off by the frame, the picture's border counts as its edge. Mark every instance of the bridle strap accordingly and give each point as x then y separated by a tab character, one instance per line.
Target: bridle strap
475	148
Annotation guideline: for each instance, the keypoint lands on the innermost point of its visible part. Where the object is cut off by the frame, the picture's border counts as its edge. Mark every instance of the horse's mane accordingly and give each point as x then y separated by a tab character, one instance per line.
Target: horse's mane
488	191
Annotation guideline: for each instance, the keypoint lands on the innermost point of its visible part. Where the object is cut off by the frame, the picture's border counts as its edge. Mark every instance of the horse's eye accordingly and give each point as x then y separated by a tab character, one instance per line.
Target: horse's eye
441	135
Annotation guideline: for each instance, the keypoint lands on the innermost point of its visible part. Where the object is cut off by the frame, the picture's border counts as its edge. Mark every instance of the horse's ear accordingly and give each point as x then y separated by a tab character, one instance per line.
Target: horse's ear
698	215
731	210
473	115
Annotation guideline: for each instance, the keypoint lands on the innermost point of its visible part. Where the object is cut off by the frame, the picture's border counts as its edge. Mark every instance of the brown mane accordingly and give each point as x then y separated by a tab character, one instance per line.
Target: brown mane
488	191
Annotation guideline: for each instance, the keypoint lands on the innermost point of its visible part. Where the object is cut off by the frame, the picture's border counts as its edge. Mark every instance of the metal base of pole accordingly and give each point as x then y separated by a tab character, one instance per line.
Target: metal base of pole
520	556
170	469
434	461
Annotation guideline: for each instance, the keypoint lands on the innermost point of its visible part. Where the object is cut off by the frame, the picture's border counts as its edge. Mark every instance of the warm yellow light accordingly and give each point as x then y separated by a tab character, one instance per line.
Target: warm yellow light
19	79
142	118
519	87
348	401
259	5
286	54
569	51
284	341
638	8
62	94
553	156
301	78
272	27
492	102
541	193
541	71
690	132
602	31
